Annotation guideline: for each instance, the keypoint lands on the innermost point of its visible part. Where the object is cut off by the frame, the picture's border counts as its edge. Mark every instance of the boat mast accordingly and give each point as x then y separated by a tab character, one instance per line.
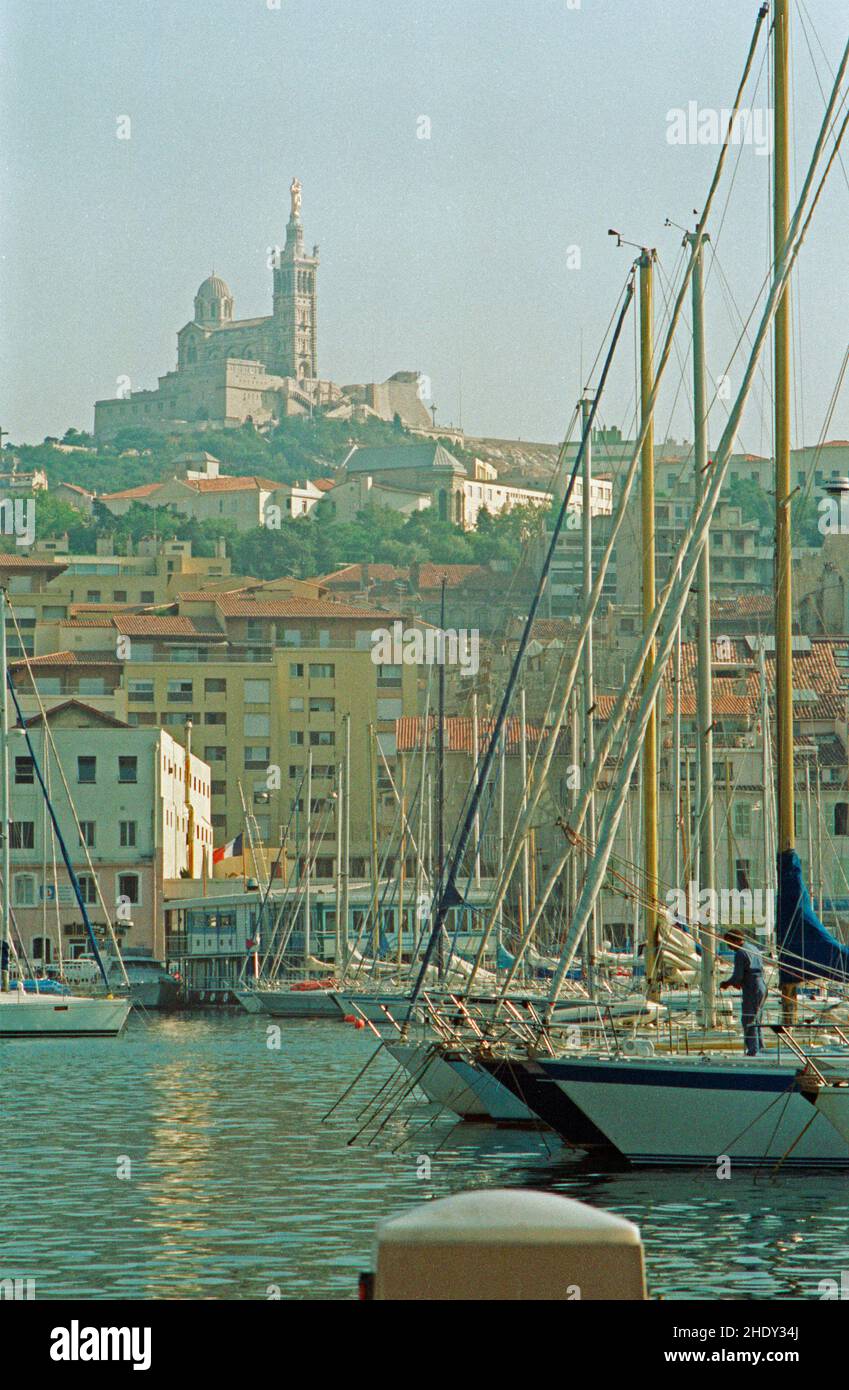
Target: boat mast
308	869
5	829
704	693
440	791
781	368
589	688
646	264
346	845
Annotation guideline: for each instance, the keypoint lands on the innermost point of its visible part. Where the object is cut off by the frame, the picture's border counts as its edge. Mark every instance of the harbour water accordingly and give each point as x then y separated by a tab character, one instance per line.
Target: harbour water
233	1187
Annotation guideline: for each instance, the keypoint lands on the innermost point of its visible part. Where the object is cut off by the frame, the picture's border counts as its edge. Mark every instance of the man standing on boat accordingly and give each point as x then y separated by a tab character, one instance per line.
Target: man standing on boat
748	976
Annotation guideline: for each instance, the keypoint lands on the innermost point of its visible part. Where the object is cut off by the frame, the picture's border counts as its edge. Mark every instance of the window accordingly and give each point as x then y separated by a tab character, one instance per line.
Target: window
88	891
322	738
322	671
86	769
214	685
389	709
296	670
119	596
127	834
256	726
128	887
128	768
216	753
291	637
91	685
257	757
256	692
319	705
218	788
296	704
179	692
741	873
841	818
87	833
147	596
92	596
743	818
296	738
215	717
23	890
140	690
24	772
388	675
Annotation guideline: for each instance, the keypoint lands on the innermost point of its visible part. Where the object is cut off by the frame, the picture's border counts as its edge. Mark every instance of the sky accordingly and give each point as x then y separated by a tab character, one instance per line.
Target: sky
478	256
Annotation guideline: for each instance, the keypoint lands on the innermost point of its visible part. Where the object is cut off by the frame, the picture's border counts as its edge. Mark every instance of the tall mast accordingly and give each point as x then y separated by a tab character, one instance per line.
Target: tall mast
308	886
783	554
440	789
346	843
704	694
589	690
4	799
646	263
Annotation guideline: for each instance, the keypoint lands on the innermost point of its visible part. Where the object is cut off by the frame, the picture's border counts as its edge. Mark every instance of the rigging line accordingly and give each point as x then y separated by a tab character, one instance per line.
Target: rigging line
804	16
598	582
736	169
667	293
48	736
662	626
729	297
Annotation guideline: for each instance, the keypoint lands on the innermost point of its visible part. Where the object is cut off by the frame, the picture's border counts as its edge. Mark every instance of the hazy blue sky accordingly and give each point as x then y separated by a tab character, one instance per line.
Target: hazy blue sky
448	255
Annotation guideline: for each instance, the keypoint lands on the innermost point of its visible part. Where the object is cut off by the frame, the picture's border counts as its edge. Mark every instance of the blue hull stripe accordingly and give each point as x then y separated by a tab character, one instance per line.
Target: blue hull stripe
691	1079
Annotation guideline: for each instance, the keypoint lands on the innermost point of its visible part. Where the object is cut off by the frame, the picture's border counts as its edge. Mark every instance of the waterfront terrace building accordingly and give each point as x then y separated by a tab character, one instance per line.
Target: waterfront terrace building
128	787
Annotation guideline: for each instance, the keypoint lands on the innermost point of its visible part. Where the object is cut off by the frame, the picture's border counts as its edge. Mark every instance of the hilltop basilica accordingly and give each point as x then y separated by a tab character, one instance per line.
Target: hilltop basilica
233	370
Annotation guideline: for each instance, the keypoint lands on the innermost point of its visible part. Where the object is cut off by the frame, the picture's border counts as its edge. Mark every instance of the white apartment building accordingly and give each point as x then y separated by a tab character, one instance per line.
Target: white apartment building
128	787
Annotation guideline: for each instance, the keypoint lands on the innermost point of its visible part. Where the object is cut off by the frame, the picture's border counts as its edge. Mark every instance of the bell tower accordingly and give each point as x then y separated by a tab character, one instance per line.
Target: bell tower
294	303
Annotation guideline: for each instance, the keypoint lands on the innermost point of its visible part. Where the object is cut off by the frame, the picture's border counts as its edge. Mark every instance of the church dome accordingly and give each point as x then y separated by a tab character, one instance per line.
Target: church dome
214	287
213	301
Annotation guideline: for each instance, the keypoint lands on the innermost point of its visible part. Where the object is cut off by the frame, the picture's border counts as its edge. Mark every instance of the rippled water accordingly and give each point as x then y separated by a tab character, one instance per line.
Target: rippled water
238	1189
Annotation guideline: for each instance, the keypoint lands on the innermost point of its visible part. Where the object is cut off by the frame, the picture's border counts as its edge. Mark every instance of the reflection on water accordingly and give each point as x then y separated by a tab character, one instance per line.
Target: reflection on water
238	1189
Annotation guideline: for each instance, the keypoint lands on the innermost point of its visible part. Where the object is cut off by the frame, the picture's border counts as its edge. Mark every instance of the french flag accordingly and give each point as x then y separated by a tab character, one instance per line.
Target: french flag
229	851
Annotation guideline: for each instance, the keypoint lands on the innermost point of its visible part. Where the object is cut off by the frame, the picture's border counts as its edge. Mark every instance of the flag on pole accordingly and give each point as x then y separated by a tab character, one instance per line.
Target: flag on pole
231	850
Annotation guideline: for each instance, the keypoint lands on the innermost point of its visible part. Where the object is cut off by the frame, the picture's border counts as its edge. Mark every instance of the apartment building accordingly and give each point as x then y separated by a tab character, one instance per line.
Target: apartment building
128	818
49	585
267	679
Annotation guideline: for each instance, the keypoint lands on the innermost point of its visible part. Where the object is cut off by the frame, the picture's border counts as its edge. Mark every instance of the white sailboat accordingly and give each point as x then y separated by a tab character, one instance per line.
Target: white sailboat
34	1012
788	1105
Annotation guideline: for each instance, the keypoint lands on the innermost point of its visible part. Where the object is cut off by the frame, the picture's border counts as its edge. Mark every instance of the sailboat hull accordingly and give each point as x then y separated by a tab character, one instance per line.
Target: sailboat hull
675	1112
290	1003
458	1085
60	1016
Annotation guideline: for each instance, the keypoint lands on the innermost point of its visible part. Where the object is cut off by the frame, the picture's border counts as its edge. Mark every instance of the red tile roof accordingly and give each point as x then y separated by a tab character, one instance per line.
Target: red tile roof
66	658
100	715
144	490
234	606
430	575
14	561
459	733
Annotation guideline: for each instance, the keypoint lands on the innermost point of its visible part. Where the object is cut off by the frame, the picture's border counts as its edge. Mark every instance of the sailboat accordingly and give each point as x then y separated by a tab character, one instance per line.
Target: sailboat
40	1008
789	1105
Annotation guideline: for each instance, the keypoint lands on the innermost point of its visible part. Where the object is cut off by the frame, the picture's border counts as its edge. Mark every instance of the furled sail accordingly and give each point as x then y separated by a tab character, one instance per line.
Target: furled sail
806	950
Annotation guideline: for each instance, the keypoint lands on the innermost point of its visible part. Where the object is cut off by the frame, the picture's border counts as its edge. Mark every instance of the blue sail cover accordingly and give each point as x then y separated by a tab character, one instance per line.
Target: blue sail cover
805	949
